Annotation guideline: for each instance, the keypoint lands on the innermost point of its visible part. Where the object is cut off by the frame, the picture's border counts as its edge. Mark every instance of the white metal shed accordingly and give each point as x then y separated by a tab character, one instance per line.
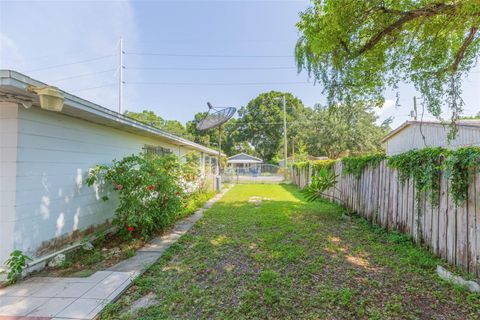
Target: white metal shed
420	134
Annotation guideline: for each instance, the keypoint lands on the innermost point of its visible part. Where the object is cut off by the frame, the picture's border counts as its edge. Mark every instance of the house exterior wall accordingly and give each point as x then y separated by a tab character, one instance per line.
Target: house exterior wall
435	136
54	153
8	157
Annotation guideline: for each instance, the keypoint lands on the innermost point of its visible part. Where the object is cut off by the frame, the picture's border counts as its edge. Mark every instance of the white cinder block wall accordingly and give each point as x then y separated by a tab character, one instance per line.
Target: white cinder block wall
8	155
53	155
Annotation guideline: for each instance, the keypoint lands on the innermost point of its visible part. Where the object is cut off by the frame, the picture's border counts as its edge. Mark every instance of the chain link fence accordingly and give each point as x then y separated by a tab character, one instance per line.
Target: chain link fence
258	173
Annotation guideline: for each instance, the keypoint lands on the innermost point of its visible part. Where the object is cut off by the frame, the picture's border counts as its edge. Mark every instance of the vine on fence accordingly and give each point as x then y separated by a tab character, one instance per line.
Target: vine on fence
323	164
460	168
356	165
424	166
301	165
317	165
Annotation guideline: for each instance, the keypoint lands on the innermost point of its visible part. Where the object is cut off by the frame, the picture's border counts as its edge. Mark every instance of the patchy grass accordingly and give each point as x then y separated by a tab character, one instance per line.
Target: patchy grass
289	259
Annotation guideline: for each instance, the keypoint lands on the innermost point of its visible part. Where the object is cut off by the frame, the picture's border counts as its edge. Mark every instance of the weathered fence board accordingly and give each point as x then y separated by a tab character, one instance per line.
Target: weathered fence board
442	218
450	232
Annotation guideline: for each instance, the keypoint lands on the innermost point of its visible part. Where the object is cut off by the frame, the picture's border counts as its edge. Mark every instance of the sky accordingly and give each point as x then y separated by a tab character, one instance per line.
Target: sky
177	54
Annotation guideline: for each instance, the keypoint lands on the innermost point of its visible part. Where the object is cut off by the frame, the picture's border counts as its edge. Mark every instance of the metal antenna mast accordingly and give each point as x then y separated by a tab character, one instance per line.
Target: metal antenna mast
120	79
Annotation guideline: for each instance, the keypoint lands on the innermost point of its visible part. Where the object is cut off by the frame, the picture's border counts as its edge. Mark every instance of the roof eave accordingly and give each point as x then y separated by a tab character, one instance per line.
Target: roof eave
20	81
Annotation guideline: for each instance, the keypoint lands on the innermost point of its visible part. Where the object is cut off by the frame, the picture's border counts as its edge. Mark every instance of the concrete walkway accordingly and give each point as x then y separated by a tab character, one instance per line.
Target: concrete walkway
45	298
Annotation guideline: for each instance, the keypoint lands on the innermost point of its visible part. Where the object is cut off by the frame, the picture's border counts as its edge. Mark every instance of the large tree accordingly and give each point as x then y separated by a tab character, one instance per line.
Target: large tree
260	122
232	140
355	49
344	129
207	137
149	117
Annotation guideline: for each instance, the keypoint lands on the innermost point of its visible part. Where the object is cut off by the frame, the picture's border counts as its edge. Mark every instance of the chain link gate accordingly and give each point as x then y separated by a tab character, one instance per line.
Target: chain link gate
257	173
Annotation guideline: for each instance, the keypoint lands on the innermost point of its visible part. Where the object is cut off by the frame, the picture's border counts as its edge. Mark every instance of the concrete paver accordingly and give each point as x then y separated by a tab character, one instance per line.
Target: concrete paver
108	285
138	263
22	307
80	308
51	307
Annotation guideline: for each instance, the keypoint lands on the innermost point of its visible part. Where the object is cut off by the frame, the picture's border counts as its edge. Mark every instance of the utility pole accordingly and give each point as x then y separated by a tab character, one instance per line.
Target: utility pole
285	138
120	79
415	108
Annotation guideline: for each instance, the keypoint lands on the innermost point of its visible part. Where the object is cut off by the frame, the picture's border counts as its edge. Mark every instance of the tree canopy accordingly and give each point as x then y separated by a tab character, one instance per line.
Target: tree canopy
344	129
258	130
356	49
149	117
260	122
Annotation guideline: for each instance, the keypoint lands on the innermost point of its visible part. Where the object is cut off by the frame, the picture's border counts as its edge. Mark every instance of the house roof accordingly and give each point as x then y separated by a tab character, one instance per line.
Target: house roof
14	84
243	158
463	123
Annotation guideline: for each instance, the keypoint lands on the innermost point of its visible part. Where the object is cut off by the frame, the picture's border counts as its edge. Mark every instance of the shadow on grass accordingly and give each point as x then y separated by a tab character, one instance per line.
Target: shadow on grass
287	258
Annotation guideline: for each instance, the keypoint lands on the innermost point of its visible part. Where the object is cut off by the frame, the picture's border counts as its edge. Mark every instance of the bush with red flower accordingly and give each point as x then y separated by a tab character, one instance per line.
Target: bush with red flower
150	194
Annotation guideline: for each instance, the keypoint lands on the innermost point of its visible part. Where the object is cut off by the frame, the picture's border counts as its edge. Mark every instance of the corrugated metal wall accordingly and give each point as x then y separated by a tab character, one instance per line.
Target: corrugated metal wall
433	136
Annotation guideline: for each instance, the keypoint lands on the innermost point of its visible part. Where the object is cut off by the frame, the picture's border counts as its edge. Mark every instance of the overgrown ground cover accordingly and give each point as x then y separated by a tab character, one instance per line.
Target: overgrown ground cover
288	259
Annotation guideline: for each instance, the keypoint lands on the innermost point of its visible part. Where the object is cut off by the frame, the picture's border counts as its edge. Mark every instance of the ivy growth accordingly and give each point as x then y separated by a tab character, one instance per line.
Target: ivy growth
356	165
319	165
460	168
424	166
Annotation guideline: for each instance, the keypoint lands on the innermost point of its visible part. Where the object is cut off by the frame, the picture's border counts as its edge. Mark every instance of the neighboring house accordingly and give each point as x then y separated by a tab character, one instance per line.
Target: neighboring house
45	157
243	161
420	134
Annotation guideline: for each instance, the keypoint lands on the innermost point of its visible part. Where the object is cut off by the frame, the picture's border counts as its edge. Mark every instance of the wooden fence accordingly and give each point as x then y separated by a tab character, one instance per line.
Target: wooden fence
449	231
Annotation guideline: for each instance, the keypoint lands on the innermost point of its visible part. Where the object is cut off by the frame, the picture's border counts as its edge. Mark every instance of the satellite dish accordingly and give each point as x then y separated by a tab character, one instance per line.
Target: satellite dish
215	119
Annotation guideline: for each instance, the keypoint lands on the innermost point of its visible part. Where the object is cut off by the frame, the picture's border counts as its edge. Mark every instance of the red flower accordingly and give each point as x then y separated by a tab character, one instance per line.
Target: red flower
151	187
177	193
130	229
118	187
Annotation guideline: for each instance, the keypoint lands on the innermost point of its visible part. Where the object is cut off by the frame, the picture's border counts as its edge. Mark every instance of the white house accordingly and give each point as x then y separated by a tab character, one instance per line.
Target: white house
420	134
45	156
243	161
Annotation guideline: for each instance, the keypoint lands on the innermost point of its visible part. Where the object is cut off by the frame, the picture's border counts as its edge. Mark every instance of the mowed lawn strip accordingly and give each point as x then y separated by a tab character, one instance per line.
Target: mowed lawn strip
263	252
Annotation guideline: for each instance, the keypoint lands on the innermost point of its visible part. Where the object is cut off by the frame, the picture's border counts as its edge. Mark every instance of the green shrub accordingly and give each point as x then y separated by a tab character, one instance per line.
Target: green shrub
324	180
16	263
149	189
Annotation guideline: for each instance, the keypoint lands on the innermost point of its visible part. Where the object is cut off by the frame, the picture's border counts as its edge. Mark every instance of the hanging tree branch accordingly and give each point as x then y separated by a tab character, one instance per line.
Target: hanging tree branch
461	52
407	16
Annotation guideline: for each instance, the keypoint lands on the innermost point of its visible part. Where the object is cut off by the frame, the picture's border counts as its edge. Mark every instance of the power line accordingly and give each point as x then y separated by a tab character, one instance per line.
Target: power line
206	55
83	75
97	87
213	68
72	63
216	83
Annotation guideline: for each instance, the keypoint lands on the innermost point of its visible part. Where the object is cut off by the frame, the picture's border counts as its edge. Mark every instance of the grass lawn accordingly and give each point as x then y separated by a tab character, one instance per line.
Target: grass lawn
288	259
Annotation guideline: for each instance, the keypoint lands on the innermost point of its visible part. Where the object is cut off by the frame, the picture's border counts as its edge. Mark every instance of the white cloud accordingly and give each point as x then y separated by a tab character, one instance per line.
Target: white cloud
9	49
